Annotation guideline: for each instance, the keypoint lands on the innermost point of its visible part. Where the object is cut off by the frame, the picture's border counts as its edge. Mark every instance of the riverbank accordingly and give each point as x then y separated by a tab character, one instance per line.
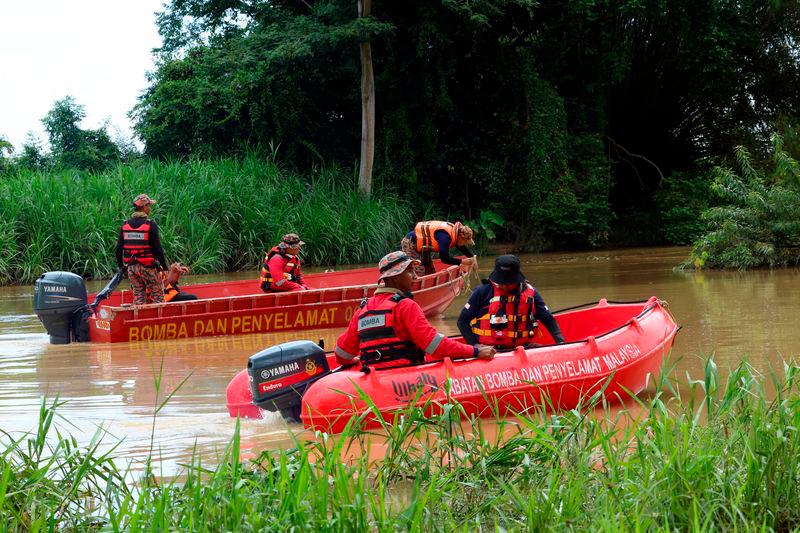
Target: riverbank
215	216
724	455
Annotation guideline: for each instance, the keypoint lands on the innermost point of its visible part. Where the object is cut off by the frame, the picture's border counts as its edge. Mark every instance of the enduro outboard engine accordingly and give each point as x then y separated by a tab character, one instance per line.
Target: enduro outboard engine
280	375
58	301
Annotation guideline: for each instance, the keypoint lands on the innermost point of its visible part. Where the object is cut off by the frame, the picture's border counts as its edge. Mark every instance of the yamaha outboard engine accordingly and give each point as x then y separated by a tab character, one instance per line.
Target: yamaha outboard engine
280	375
58	300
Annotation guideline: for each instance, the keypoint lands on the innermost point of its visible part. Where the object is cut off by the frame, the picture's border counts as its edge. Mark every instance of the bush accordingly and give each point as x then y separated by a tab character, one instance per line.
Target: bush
759	221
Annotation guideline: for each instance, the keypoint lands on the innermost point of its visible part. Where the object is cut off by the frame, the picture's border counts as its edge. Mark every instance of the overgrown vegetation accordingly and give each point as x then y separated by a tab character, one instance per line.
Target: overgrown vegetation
758	221
712	455
215	216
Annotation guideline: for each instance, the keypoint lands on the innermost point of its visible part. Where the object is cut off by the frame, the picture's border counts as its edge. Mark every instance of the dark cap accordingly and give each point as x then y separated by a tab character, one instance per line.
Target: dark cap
506	270
291	239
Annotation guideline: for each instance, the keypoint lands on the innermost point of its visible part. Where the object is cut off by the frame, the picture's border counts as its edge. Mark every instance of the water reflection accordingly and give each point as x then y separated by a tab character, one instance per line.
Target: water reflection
119	386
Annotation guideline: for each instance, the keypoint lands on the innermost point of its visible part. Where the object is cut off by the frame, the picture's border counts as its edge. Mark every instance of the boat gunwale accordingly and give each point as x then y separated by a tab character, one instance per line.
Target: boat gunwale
126	308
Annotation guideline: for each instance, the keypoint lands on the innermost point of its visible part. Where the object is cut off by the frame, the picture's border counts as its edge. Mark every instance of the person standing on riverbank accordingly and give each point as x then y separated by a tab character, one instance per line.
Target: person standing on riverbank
280	271
139	251
505	310
391	326
435	236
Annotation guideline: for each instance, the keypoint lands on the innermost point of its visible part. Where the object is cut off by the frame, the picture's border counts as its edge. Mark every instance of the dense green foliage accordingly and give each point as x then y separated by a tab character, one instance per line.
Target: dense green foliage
565	117
723	457
214	216
758	223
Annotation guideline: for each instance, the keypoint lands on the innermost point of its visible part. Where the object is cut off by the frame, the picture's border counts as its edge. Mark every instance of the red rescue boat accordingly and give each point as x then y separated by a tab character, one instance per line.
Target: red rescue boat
611	348
239	307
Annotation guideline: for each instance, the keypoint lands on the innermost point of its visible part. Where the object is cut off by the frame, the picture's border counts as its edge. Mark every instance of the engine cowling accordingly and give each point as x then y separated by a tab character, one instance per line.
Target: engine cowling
279	376
58	298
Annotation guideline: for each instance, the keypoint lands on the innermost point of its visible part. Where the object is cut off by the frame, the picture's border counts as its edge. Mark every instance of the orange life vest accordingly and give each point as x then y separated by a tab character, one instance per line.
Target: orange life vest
509	321
290	269
424	231
378	340
136	244
170	290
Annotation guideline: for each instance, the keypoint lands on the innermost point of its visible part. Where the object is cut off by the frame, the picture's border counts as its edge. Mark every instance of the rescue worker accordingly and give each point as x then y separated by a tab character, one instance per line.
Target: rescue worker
506	309
139	251
280	270
436	236
391	326
172	292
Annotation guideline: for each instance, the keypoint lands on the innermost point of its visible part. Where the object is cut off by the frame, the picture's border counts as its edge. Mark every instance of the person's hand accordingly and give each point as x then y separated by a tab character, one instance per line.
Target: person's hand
486	352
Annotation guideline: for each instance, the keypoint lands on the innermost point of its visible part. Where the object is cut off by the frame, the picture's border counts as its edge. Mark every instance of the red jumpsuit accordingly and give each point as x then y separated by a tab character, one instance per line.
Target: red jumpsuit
276	265
409	324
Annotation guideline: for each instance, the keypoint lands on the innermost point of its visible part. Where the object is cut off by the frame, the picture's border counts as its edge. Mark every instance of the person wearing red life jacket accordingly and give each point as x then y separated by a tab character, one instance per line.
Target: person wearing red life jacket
280	271
139	251
390	326
506	309
434	236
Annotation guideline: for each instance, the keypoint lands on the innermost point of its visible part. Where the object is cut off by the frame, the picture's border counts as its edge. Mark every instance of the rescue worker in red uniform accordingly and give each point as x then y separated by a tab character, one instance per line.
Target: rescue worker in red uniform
280	270
139	251
435	236
390	327
505	310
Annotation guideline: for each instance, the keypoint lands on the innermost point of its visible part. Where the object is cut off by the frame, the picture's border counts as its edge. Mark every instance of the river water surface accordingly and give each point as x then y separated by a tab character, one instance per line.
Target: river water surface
118	387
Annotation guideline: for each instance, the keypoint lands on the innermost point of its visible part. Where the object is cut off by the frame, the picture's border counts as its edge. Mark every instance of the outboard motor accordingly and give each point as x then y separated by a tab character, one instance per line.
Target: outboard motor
280	375
59	299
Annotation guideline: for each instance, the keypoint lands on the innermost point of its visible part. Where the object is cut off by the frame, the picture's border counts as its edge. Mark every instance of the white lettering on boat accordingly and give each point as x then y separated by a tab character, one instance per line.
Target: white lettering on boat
546	372
279	371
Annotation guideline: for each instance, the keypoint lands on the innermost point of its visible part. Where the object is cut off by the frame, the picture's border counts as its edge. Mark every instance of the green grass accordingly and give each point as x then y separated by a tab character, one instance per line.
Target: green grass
719	455
215	216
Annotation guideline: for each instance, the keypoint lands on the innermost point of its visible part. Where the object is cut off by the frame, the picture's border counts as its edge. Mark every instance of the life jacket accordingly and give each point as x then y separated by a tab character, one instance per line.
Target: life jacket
426	242
378	340
170	290
510	319
290	269
136	244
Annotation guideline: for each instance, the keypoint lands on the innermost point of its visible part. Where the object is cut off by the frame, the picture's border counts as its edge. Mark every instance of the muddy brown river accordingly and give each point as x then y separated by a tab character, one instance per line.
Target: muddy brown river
118	387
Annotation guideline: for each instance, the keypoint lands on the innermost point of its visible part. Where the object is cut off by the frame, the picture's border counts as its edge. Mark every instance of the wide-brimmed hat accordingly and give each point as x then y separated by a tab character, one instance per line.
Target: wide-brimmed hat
292	240
465	232
395	263
143	200
506	270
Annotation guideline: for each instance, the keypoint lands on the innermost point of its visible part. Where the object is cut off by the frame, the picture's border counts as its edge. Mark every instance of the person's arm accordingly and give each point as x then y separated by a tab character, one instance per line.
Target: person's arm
347	344
155	244
544	316
466	251
472	310
120	242
280	283
444	241
437	345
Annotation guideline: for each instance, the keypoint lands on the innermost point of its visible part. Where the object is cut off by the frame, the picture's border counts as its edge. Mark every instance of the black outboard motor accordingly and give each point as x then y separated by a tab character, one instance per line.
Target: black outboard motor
58	298
280	375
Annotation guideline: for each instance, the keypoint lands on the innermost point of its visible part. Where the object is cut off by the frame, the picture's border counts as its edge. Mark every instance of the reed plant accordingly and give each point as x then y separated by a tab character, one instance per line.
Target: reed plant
215	216
710	454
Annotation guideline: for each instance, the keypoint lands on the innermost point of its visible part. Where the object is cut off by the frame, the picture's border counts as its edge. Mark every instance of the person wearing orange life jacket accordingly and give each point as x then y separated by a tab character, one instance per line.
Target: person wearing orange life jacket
172	292
390	326
505	310
139	251
280	271
436	236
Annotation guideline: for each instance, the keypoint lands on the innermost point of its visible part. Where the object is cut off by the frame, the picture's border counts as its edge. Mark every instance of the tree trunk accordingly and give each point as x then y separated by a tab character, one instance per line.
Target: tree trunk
367	109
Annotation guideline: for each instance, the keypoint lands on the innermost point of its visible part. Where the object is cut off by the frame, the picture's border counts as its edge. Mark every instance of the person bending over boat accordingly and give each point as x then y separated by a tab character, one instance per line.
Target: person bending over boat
139	251
280	271
391	326
505	310
436	236
172	292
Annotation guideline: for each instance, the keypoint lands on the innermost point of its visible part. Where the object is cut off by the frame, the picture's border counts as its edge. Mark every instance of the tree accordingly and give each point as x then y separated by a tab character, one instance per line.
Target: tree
73	147
367	107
